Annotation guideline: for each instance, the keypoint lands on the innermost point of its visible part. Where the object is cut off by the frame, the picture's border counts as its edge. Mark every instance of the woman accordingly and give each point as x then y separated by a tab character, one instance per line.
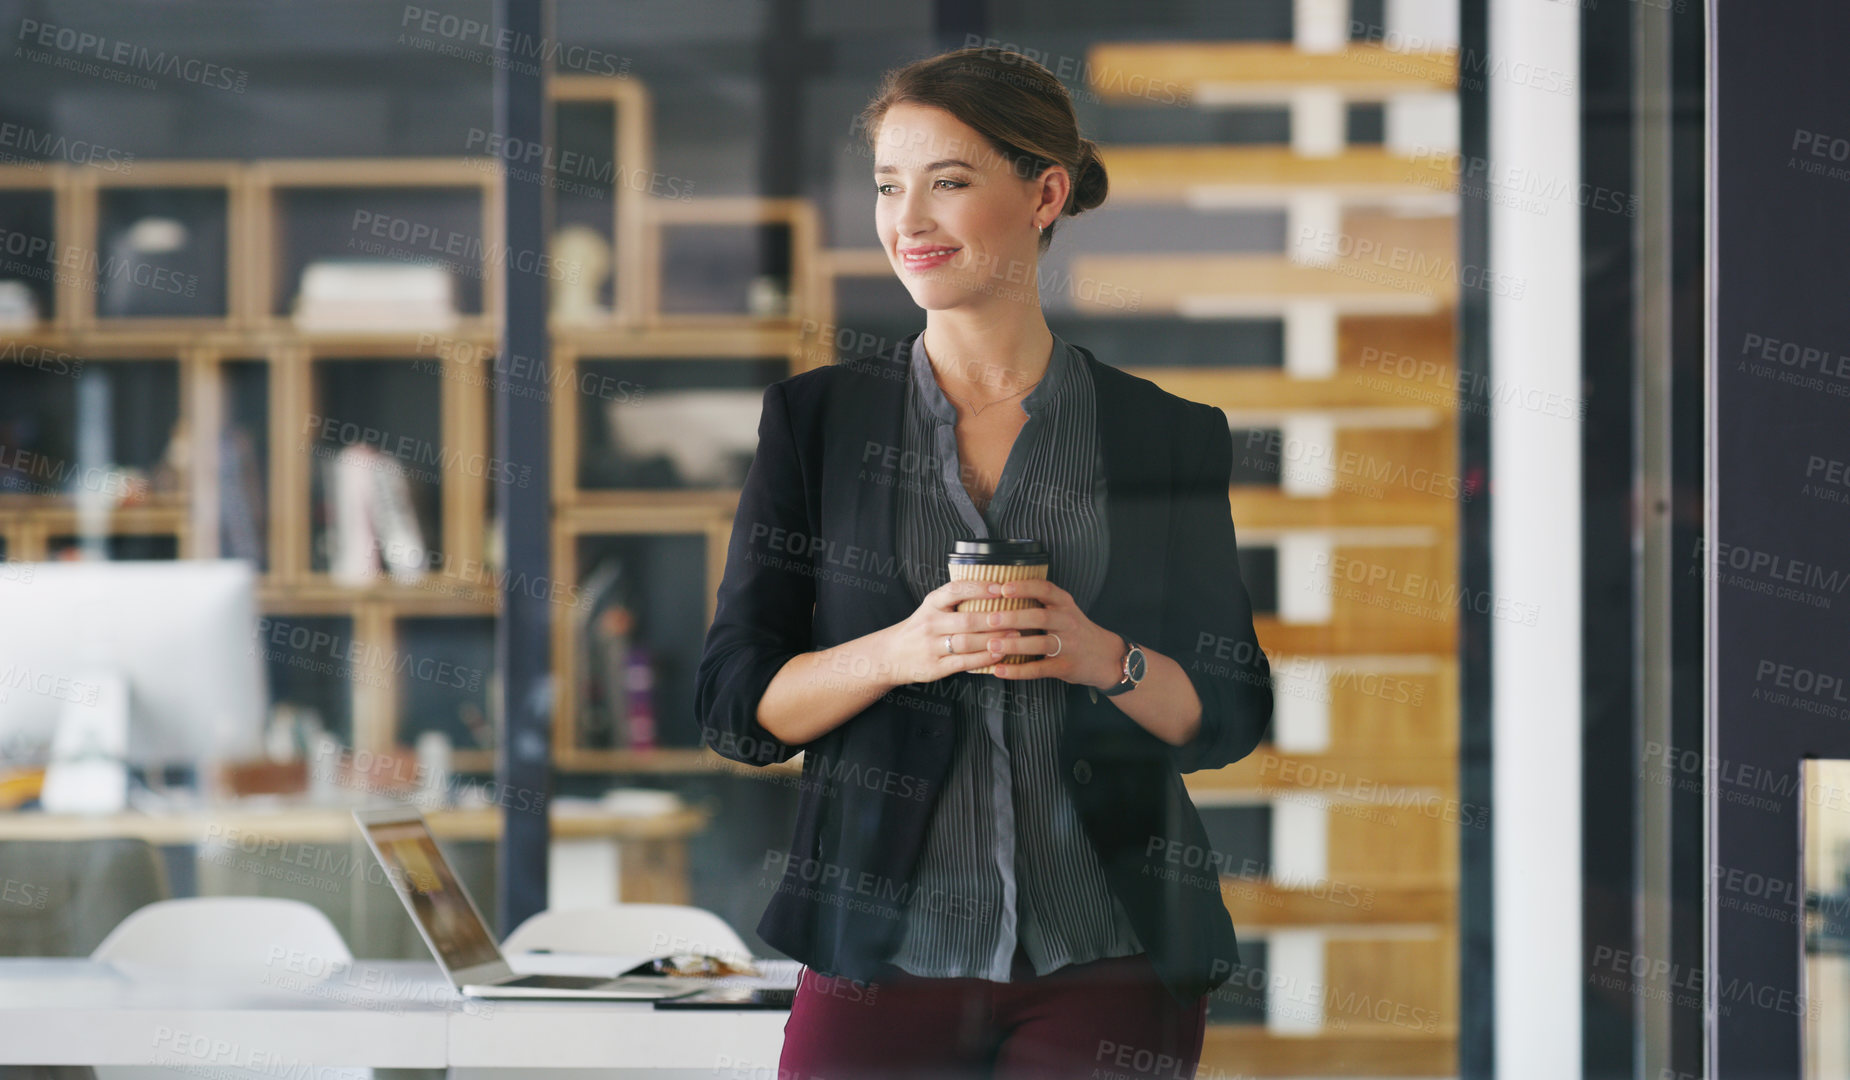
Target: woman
994	874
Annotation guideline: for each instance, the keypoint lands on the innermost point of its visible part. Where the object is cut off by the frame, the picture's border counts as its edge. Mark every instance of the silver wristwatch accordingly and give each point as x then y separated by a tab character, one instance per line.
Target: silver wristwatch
1134	668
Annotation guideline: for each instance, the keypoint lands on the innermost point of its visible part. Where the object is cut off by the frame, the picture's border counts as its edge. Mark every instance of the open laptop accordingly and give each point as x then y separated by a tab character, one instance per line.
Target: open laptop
453	928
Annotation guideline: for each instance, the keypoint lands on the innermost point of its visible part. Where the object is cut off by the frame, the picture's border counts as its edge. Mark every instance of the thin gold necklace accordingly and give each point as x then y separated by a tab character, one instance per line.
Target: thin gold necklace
978	412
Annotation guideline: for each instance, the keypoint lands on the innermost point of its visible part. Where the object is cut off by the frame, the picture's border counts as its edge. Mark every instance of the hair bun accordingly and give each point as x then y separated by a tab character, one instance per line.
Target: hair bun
1090	183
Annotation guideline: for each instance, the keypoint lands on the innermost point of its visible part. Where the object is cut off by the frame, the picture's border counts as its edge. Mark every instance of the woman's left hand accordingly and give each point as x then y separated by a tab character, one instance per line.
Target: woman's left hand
1088	654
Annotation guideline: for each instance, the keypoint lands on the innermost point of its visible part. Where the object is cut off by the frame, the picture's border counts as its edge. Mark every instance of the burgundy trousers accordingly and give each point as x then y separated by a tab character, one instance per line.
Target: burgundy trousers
1109	1019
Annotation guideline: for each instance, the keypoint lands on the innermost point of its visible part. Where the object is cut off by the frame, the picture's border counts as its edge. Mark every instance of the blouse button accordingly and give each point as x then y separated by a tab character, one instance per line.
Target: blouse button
1082	771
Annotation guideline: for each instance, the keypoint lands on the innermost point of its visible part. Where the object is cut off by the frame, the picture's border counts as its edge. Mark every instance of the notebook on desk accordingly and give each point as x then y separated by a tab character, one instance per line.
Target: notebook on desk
447	919
734	997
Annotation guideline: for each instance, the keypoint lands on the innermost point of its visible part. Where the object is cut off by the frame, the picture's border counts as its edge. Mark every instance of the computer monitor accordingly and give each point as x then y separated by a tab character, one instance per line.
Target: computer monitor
180	637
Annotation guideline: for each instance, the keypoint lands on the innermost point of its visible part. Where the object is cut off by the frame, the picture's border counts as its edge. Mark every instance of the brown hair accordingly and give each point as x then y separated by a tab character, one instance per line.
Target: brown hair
1013	102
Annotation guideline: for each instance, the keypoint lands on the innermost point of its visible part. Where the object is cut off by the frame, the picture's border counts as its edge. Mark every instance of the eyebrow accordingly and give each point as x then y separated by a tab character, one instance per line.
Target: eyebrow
947	163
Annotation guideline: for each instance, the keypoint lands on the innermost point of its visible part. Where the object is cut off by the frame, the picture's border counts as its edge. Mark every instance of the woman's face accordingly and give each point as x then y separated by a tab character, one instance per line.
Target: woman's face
956	219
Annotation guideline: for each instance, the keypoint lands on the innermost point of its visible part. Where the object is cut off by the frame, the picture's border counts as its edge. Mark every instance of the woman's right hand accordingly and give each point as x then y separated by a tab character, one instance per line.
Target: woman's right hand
914	650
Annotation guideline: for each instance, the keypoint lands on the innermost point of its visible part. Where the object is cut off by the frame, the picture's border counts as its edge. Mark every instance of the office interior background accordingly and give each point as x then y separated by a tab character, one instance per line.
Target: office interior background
444	393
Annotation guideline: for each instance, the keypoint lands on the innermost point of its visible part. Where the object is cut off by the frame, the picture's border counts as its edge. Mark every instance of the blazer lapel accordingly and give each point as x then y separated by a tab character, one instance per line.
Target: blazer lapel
1136	511
866	424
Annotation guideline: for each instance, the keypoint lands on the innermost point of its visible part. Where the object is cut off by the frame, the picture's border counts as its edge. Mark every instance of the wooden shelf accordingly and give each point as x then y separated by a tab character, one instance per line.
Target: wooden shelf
614	342
667	761
1258	73
1263	904
1402	636
1235	390
1251	286
1268	175
323	597
1268	509
153	506
1250	1050
1266	773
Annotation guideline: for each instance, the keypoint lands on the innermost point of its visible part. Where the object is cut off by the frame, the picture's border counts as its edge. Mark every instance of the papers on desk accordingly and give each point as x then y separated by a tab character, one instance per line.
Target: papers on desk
773	973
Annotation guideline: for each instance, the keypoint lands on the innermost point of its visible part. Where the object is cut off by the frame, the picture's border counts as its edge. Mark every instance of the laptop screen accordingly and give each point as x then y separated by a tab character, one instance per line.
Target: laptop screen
437	900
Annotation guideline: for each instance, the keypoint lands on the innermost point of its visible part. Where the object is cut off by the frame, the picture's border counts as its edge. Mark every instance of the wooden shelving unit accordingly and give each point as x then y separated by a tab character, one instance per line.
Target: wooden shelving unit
456	363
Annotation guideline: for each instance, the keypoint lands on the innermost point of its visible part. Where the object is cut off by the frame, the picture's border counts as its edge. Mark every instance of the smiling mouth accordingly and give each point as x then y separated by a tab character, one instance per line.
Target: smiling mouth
924	260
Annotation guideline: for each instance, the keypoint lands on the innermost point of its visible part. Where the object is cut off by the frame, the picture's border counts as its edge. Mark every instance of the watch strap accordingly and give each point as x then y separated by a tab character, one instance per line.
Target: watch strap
1125	683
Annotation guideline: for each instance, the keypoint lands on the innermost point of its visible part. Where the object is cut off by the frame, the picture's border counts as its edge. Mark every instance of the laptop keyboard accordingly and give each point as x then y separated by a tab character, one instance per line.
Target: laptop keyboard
558	982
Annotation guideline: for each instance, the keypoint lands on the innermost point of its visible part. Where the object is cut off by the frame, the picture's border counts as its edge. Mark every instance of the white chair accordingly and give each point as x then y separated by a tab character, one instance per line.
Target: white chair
628	930
251	940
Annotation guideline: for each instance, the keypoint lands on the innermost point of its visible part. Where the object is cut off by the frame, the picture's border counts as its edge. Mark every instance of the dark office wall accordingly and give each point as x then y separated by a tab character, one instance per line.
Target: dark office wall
1779	553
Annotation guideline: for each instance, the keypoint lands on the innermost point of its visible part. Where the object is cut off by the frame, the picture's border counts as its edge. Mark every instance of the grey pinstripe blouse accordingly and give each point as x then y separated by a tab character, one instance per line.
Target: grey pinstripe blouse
1005	859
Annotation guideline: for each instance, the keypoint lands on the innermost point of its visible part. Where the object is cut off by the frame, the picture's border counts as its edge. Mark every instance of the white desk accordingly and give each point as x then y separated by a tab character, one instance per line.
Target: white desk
598	1036
383	1014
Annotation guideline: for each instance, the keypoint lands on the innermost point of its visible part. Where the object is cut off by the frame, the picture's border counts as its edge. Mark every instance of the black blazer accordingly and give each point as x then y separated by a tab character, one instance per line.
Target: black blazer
811	564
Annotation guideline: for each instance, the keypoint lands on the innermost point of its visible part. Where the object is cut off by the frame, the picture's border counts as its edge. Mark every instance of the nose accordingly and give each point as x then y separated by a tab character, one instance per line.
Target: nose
910	218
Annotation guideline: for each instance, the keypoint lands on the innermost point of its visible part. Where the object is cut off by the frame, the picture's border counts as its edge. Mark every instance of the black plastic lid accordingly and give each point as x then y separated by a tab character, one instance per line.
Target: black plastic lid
1013	552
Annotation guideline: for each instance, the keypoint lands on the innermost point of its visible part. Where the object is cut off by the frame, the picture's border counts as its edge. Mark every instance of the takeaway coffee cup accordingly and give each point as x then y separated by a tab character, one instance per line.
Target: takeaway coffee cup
999	560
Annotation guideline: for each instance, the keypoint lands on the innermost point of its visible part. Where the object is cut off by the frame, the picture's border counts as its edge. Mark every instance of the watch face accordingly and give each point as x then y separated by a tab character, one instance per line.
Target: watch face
1136	664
